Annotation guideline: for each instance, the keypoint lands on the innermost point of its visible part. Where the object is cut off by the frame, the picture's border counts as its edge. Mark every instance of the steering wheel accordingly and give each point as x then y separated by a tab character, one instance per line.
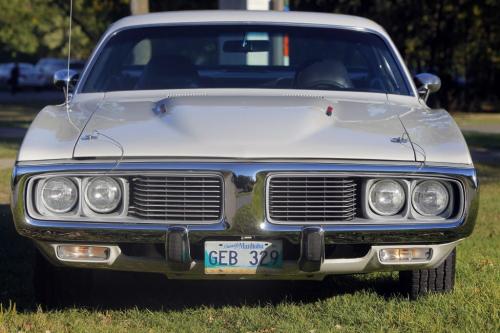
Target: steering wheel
325	85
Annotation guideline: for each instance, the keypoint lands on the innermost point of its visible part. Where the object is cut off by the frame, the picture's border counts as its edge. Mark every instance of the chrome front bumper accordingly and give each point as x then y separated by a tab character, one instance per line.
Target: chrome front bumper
244	215
291	269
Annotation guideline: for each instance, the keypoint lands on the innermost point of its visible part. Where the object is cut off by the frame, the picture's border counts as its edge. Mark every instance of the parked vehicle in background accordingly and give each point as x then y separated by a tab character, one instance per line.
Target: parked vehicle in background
6	68
47	67
245	145
29	77
3	72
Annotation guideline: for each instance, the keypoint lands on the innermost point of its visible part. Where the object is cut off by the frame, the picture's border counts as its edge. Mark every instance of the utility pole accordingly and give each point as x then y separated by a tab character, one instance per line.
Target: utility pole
138	7
278	5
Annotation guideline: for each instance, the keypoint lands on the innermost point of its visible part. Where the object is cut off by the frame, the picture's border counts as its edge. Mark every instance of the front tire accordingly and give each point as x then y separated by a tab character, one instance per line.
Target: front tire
424	281
57	287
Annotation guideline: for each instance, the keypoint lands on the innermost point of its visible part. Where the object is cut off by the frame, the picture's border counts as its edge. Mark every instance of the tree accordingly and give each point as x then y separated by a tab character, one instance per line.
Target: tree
457	39
40	27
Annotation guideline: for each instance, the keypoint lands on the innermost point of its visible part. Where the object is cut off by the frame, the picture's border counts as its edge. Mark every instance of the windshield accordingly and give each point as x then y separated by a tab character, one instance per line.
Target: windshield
245	56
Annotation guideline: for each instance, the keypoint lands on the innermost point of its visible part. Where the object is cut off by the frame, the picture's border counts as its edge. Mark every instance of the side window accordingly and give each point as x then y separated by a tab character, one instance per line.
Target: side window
389	71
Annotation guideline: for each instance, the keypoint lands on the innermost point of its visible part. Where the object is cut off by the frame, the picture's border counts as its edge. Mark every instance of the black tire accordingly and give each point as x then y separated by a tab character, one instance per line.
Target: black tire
58	287
423	281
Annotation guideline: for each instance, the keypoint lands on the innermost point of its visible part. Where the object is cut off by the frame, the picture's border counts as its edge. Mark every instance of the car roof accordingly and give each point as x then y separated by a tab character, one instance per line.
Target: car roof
248	16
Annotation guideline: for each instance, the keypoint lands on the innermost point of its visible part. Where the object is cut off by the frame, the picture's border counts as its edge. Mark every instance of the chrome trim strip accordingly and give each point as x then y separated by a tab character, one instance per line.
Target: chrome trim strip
244	212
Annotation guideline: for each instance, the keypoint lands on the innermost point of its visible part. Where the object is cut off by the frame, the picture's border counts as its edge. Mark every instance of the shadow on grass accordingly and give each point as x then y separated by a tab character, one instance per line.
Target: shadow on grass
124	290
482	140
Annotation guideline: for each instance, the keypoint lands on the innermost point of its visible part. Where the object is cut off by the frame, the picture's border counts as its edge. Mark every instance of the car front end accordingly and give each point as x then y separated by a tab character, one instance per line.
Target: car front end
319	212
252	146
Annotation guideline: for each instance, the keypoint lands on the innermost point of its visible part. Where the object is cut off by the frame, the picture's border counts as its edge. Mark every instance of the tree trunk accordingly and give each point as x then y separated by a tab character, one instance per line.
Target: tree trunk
138	7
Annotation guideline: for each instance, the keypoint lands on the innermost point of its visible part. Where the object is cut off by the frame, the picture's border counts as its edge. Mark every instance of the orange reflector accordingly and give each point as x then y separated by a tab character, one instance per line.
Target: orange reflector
405	254
83	252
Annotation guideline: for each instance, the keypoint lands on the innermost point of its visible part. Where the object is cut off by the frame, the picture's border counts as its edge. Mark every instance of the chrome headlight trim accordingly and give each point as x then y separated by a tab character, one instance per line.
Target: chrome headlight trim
464	178
408	213
80	209
84	213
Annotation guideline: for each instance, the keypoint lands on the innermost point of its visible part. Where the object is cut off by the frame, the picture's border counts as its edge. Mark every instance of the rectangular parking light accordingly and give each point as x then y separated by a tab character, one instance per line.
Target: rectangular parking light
83	253
405	254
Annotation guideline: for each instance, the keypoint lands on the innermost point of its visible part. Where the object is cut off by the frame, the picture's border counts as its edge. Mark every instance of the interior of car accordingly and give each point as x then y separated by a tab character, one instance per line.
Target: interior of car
156	58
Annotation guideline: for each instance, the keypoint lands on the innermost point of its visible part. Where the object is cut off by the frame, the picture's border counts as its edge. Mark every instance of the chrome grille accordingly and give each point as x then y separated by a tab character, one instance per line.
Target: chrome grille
184	198
311	198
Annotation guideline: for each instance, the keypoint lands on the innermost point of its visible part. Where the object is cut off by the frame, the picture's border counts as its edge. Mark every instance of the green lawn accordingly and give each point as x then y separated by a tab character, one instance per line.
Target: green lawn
475	119
483	140
18	115
9	148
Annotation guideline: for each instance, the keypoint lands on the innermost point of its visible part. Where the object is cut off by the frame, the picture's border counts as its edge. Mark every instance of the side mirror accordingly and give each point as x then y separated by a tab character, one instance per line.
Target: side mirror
427	84
66	79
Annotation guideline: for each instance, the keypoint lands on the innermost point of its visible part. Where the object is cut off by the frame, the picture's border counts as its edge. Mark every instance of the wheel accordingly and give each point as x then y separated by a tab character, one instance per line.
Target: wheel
423	281
57	287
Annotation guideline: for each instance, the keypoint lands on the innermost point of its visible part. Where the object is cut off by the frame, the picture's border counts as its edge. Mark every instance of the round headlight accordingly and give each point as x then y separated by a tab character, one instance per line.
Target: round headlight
386	197
430	198
59	195
103	194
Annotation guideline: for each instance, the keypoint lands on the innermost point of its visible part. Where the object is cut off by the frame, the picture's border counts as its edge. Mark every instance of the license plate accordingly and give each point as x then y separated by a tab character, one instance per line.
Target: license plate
243	257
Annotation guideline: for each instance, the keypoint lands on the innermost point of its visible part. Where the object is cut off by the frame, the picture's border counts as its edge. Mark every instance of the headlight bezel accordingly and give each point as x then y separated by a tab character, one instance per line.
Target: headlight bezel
408	213
81	209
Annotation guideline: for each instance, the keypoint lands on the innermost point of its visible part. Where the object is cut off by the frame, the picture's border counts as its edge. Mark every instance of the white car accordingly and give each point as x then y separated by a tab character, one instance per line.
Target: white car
245	145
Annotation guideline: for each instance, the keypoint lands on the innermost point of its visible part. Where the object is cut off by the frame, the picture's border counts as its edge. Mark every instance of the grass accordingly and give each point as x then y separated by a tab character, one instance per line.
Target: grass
18	115
9	148
4	186
483	140
476	119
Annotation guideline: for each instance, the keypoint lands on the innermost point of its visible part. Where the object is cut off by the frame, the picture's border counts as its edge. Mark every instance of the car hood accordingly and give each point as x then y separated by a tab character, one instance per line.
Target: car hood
248	127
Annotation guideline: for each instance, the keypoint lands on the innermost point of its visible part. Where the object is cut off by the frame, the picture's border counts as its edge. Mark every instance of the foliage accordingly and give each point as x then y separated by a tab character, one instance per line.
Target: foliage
41	26
457	39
